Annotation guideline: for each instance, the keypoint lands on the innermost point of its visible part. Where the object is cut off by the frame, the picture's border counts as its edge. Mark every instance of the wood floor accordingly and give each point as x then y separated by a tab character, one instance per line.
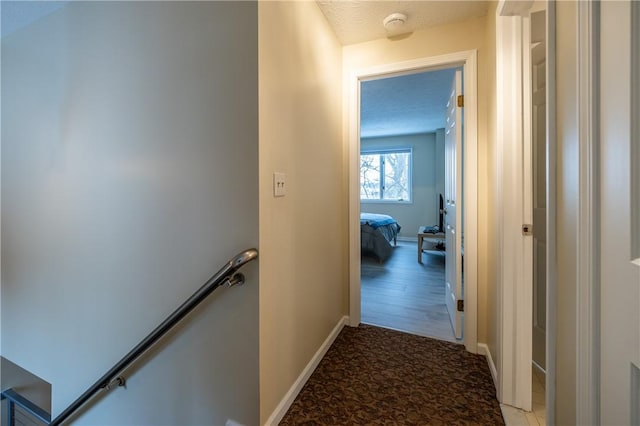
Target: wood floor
405	295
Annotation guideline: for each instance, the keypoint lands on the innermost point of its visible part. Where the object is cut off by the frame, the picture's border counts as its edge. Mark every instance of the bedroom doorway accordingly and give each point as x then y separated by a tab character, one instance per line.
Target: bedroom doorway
410	133
468	62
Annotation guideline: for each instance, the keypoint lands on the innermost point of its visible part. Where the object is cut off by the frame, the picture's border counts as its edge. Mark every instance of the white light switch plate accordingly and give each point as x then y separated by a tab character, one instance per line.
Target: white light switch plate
279	184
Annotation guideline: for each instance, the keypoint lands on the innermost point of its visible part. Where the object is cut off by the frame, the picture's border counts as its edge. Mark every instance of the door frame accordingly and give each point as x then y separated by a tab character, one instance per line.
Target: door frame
515	282
513	140
469	62
588	256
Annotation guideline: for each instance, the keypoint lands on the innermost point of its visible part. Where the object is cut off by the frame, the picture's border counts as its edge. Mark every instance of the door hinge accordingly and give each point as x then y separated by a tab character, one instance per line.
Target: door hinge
527	229
460	305
460	101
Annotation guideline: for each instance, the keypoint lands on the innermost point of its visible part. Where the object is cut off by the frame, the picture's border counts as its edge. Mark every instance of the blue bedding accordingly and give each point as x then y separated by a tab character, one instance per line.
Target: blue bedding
376	233
376	220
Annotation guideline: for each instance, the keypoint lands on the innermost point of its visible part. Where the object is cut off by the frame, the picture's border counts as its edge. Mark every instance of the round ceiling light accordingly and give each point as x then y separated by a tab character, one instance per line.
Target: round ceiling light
394	22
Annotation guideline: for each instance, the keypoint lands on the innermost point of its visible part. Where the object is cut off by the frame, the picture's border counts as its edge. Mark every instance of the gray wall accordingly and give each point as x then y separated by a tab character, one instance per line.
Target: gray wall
428	180
129	176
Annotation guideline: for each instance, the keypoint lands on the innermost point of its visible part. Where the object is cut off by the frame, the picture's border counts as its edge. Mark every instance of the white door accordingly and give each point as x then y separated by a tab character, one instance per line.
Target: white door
539	202
453	206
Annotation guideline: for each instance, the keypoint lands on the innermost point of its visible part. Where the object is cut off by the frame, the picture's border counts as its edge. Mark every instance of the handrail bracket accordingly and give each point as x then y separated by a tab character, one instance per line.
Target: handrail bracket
118	381
235	279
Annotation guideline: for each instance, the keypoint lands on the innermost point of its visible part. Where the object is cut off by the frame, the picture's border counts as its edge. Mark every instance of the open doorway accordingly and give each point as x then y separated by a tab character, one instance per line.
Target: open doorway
467	301
526	139
407	159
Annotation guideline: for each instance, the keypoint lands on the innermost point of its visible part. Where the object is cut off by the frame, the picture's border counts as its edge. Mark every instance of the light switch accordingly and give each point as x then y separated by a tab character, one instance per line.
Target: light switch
279	184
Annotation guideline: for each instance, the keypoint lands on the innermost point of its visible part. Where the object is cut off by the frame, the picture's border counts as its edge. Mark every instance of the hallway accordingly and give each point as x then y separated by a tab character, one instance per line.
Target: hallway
372	375
146	143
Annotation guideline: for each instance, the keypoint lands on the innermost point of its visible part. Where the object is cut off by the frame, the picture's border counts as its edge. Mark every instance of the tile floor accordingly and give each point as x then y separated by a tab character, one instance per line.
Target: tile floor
537	417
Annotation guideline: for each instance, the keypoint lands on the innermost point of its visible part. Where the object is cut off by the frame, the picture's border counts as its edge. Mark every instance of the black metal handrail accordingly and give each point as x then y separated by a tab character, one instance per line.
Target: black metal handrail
14	398
227	275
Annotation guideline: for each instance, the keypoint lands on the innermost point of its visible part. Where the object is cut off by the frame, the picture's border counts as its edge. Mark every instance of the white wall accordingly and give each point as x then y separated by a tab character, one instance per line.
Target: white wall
129	176
619	278
303	236
427	174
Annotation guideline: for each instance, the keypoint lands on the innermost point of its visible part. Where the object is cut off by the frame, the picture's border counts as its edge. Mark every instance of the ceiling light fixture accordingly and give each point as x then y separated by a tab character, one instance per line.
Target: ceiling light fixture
394	22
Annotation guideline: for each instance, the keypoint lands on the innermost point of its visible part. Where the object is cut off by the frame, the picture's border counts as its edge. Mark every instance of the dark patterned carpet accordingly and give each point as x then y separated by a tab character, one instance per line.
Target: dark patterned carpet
376	376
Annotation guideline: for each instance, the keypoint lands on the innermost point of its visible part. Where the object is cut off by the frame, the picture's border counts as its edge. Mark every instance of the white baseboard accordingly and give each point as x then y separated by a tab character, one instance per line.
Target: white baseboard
408	239
291	395
483	349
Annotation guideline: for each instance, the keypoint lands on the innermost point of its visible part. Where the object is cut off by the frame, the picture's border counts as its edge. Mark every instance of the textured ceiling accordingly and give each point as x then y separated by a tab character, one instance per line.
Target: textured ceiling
355	21
404	105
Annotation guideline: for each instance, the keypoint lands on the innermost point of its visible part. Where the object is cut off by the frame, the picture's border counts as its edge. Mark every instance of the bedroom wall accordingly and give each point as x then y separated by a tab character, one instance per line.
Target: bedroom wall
466	35
423	210
303	236
129	177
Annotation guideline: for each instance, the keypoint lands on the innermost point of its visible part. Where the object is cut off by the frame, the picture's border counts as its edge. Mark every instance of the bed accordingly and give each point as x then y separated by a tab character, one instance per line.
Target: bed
376	233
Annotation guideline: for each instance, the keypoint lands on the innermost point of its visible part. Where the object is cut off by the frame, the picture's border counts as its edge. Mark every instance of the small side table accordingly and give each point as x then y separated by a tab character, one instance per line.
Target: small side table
422	235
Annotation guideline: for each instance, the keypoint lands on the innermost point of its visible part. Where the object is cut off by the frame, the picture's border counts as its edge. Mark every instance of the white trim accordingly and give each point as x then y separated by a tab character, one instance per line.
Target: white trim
295	389
470	202
499	179
483	349
354	200
587	348
552	267
467	59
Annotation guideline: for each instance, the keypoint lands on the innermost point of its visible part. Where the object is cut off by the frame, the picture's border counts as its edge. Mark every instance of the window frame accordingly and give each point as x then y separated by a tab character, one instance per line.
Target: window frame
381	152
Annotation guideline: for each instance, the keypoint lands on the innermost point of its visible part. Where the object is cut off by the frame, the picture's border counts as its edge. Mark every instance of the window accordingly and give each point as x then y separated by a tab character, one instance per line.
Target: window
386	175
